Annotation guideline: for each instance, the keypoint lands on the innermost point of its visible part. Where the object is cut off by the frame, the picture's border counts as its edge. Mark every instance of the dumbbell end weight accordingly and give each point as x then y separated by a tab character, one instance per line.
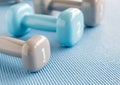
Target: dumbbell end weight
36	53
70	27
14	18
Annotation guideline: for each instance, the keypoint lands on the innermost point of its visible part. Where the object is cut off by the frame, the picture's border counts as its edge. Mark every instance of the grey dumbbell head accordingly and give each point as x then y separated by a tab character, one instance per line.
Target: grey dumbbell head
36	53
93	11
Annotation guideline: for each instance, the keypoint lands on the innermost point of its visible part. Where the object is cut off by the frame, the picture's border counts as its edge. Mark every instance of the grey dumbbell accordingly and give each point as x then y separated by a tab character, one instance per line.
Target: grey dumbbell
93	10
35	52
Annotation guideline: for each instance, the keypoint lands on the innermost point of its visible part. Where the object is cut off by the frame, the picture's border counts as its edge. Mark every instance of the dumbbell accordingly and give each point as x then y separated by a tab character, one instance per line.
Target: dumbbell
35	52
93	10
69	25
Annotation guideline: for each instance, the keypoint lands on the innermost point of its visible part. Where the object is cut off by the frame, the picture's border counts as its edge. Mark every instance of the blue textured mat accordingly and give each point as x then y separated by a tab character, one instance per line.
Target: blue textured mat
94	60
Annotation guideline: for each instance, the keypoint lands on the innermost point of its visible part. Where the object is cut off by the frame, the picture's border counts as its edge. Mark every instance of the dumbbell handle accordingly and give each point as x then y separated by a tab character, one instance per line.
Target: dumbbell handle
40	22
64	4
11	46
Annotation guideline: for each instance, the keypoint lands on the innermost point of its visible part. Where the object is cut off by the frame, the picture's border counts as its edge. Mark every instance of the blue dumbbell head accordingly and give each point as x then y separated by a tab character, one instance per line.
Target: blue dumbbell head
14	19
70	26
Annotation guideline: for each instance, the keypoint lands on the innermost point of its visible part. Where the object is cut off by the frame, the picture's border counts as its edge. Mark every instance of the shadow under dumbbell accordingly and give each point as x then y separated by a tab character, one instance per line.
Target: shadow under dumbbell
12	69
11	66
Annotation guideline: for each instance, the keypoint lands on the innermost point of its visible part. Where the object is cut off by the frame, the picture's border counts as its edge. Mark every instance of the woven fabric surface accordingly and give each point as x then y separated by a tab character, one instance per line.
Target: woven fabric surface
95	60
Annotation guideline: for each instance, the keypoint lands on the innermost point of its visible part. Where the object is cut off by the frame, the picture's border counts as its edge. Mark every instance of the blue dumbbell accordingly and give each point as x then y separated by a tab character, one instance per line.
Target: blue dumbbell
69	25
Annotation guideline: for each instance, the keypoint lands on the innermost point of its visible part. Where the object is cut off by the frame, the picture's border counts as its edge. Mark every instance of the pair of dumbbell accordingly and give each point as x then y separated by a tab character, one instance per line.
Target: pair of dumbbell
93	10
69	26
36	51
